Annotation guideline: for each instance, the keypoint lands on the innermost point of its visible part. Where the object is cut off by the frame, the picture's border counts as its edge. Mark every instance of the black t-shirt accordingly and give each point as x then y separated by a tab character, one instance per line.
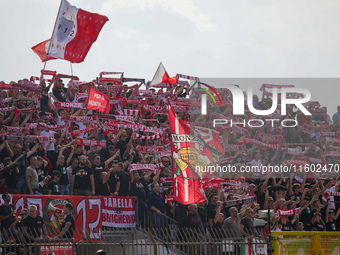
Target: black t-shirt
44	99
137	190
124	178
64	179
60	94
194	221
211	211
21	164
69	233
97	170
42	172
54	186
4	211
122	146
82	177
320	226
331	225
34	225
203	214
11	176
103	189
248	225
114	178
287	226
306	217
217	230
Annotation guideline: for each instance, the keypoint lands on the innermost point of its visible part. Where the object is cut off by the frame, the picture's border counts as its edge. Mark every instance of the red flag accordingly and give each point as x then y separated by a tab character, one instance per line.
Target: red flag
74	33
98	101
194	149
161	76
41	50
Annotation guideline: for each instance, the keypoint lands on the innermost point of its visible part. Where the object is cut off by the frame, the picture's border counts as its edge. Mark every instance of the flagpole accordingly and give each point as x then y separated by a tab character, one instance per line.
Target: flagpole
49	45
71	68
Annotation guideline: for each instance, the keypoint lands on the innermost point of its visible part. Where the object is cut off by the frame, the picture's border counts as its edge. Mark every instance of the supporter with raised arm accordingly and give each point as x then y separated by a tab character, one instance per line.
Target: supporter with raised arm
31	177
331	217
123	181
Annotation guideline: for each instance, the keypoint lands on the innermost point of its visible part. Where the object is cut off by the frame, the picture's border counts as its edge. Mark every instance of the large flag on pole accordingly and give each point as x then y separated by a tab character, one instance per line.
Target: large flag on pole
98	101
161	76
194	151
75	30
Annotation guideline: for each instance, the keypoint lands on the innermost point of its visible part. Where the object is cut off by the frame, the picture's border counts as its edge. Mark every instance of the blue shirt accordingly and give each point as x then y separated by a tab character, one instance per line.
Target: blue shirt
156	201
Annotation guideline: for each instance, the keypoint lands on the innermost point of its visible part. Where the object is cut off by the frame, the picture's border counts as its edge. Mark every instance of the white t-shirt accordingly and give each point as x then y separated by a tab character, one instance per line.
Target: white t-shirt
257	163
48	133
81	126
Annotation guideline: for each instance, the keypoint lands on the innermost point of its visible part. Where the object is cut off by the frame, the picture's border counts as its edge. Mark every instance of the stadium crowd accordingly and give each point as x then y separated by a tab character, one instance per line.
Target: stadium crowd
45	149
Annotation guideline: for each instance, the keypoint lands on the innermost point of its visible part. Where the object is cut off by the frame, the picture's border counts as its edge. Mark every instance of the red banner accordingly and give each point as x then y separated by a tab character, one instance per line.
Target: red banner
98	101
90	213
118	212
87	211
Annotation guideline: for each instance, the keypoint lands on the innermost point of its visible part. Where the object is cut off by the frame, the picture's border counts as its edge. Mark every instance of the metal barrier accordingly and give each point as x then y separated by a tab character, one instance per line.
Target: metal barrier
306	242
135	241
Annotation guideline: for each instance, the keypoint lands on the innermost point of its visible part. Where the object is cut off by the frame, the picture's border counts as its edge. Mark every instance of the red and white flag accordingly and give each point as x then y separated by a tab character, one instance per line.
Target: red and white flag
193	149
74	33
98	101
161	76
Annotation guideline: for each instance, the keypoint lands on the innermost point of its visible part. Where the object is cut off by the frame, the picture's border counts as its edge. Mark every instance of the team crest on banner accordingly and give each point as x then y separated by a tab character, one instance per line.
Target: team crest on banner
195	150
51	206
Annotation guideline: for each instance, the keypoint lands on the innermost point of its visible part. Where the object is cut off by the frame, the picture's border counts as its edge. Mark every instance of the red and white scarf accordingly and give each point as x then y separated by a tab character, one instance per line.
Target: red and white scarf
80	95
150	149
288	213
27	85
17	130
165	153
211	185
80	119
69	105
7	109
154	108
267	137
331	153
78	132
153	167
134	102
296	162
151	137
261	144
129	119
233	147
55	128
129	112
89	142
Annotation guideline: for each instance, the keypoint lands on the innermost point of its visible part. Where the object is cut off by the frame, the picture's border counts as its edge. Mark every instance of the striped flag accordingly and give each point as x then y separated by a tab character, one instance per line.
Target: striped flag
193	149
75	30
